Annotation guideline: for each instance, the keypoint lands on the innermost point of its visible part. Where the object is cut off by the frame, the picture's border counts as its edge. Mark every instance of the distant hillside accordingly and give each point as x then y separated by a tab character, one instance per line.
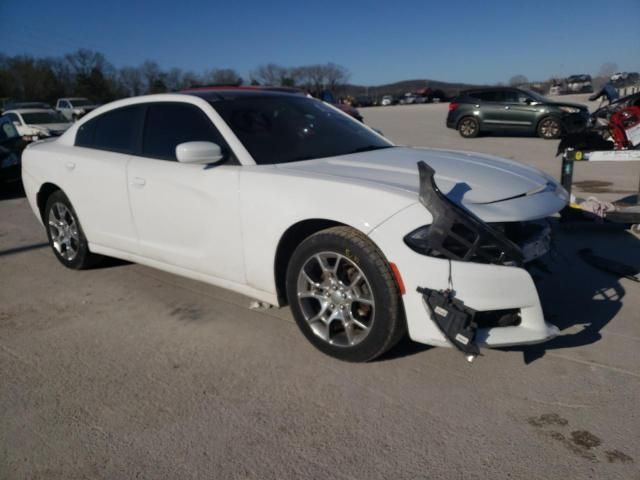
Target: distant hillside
400	88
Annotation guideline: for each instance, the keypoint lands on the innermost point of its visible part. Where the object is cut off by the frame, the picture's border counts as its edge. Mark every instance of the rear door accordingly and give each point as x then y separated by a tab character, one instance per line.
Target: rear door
491	107
96	176
186	215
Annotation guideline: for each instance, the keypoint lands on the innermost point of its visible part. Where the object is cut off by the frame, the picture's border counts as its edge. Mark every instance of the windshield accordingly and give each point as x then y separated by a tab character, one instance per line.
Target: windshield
283	128
40	118
80	102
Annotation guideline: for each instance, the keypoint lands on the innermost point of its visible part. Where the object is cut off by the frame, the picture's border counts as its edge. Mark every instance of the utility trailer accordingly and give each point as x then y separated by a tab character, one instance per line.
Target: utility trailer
627	214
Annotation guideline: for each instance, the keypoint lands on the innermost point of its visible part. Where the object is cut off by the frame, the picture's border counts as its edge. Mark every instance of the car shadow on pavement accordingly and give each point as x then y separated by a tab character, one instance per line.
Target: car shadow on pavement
25	248
11	190
510	134
405	348
577	297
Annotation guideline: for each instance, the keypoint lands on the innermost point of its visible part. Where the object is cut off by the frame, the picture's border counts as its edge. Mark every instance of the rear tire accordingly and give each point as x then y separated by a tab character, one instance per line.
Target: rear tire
549	128
469	127
343	295
65	234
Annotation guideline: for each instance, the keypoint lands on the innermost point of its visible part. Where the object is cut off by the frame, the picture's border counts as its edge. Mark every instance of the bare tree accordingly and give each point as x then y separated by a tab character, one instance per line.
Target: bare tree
83	61
131	80
518	80
223	76
336	76
271	74
174	80
153	76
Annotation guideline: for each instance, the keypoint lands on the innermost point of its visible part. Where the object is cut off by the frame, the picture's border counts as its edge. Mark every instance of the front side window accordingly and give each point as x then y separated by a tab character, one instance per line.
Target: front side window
64	104
511	96
169	124
290	128
116	131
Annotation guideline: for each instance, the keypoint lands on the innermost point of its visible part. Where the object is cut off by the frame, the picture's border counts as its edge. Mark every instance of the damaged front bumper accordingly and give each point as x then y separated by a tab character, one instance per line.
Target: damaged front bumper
479	267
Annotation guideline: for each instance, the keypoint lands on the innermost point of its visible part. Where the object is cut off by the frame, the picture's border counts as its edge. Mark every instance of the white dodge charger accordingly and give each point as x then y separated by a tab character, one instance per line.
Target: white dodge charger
290	201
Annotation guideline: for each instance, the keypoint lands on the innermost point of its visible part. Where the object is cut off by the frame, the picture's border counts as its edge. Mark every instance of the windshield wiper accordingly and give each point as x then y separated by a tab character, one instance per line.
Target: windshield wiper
368	148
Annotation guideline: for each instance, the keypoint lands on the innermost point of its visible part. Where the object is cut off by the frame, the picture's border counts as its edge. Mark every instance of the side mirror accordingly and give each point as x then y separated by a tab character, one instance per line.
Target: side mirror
16	123
199	152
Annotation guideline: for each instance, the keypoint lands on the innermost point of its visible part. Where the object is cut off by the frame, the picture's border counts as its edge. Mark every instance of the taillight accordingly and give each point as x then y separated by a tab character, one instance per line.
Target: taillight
452	106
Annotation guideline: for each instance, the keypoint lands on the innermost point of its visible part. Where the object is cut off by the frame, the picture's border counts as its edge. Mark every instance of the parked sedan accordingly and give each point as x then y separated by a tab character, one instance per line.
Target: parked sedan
37	123
494	109
288	200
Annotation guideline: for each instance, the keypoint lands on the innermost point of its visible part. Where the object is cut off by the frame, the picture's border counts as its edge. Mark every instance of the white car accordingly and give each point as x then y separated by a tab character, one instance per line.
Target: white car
75	107
386	101
37	123
288	200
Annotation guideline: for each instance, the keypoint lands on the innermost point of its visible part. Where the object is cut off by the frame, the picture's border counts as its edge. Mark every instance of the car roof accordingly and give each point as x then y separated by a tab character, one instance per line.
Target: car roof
17	105
73	98
29	110
488	89
217	93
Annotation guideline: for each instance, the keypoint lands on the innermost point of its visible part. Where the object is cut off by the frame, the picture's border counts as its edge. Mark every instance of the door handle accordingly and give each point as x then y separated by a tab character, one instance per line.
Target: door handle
139	182
70	165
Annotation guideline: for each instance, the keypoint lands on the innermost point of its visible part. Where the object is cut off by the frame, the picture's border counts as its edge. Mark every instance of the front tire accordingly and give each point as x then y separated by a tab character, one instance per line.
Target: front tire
469	127
65	234
549	128
343	295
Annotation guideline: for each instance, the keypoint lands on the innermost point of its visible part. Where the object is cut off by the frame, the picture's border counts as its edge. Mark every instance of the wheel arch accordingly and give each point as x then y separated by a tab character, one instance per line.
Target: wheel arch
290	239
469	115
46	190
549	115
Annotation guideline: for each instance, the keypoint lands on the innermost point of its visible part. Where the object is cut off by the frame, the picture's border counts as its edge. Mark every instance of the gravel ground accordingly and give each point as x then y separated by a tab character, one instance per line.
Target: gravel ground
128	372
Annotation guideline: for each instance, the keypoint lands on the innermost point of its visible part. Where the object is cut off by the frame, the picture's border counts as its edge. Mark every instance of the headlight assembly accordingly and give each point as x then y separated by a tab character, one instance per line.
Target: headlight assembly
570	109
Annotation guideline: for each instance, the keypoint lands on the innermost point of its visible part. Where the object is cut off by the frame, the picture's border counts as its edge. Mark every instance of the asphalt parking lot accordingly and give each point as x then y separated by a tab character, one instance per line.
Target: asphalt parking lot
128	372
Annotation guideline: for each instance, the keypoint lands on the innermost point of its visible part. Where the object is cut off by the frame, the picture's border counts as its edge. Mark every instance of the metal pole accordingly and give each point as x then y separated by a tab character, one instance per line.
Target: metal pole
566	176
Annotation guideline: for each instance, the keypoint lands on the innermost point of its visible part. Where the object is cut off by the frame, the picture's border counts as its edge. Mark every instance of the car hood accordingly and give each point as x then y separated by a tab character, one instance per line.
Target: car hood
569	104
86	108
481	183
51	127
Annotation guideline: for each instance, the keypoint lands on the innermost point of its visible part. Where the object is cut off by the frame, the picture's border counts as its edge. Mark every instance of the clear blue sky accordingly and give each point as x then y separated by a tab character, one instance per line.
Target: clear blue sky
453	40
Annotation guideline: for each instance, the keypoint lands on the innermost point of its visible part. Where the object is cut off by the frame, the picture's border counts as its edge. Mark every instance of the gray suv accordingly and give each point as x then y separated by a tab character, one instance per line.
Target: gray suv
493	109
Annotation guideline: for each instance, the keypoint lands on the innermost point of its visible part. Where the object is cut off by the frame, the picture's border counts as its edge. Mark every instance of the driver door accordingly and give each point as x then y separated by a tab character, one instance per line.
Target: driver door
518	113
186	215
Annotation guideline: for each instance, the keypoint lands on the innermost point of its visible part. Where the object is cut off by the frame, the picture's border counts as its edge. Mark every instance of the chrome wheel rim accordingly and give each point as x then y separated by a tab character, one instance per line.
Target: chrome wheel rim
549	128
468	127
63	230
336	299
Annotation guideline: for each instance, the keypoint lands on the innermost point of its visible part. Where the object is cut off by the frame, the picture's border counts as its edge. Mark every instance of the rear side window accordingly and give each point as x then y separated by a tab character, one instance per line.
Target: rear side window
490	96
169	124
115	131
